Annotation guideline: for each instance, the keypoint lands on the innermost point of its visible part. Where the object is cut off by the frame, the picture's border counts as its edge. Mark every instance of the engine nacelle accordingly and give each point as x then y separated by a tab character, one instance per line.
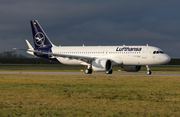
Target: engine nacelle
131	68
101	65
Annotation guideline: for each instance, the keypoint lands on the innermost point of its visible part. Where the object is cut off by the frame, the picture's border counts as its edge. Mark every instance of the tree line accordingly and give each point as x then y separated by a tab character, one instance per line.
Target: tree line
11	54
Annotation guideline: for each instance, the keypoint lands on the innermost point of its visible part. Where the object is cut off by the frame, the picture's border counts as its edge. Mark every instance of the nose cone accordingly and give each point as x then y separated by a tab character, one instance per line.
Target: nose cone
166	58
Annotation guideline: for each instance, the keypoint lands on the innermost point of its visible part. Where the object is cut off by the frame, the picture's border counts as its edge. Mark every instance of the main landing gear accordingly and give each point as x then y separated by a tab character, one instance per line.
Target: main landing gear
88	70
148	70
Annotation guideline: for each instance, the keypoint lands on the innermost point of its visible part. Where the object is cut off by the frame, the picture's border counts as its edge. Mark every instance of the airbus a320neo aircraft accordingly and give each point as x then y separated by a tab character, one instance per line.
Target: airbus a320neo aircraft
96	58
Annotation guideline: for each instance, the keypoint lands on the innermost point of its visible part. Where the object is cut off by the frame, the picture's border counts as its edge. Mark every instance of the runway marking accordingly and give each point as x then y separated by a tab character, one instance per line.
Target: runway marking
95	73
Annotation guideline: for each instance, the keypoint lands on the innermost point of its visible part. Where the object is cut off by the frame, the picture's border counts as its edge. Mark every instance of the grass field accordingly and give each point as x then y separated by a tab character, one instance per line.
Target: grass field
89	95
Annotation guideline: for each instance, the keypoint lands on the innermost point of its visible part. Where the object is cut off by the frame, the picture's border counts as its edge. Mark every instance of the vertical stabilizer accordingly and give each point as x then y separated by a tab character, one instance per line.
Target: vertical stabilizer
40	38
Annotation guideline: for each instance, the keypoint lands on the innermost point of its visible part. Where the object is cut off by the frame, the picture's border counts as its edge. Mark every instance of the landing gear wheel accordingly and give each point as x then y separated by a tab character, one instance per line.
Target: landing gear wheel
88	71
149	73
109	72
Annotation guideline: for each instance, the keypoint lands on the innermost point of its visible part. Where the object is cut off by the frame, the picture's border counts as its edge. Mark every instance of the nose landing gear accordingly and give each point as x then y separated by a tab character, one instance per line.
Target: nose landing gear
148	70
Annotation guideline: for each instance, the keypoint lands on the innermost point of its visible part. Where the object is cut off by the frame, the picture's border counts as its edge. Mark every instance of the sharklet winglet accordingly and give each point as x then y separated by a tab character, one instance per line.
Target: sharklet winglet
29	45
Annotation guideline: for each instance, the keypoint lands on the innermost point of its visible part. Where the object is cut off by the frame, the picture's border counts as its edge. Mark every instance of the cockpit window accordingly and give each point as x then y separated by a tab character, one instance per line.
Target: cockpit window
158	52
161	52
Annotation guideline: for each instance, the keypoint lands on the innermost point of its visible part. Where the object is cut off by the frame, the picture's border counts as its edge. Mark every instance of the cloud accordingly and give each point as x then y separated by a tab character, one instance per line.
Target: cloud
101	22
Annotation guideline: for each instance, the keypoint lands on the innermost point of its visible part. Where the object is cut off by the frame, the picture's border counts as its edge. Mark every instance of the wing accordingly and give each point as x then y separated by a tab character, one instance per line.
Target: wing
80	58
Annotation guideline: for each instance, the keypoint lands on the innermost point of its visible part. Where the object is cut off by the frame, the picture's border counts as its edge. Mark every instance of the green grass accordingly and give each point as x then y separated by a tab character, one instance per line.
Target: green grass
89	95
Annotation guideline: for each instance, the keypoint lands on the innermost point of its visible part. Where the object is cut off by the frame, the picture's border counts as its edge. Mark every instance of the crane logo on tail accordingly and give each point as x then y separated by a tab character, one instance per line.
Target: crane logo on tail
39	39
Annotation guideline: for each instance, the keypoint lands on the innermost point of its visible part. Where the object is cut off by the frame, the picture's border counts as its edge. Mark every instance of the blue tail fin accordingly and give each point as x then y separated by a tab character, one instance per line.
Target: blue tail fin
40	38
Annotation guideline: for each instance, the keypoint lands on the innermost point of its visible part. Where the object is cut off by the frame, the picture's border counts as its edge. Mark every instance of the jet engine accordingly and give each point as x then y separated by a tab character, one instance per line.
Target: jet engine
131	68
102	65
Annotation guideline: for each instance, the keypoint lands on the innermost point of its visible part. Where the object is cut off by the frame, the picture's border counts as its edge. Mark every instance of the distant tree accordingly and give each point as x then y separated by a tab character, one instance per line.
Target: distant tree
9	54
22	56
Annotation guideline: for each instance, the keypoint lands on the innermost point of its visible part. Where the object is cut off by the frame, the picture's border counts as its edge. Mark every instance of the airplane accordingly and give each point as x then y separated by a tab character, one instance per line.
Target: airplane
95	58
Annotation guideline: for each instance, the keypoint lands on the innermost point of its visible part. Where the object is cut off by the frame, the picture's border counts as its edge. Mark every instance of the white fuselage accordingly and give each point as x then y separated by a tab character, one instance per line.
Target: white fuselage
119	55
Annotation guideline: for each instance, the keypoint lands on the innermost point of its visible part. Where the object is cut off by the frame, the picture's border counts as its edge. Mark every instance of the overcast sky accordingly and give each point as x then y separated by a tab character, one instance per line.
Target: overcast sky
93	22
